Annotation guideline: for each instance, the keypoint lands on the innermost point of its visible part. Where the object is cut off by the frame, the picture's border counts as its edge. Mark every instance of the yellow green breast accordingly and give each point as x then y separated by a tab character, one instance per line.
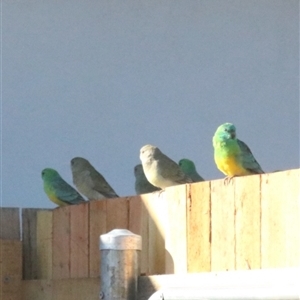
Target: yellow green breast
230	166
54	199
227	158
52	196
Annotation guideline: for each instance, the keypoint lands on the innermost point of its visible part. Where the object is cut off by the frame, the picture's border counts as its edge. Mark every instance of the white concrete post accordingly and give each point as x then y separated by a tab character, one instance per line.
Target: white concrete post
120	264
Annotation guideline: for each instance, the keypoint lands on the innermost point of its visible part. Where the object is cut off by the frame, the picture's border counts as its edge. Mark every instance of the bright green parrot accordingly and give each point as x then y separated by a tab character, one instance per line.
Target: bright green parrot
189	168
59	191
232	156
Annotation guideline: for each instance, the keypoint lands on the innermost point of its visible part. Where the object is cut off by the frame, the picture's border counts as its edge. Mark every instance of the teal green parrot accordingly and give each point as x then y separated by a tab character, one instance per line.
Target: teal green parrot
232	156
59	191
189	168
142	185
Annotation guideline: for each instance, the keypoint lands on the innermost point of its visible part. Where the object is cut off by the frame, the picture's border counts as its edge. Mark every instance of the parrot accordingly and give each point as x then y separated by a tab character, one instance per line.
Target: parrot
160	170
58	190
142	185
232	156
89	181
189	168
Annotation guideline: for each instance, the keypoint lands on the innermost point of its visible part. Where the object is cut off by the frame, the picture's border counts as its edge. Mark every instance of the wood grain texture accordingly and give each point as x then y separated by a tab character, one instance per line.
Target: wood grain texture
29	248
117	214
138	224
79	241
222	226
247	222
44	240
280	219
198	227
176	229
253	222
61	242
10	215
154	205
11	269
97	227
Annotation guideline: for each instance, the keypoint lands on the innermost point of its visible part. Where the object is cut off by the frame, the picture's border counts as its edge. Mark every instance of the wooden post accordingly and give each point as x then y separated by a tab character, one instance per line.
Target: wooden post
120	264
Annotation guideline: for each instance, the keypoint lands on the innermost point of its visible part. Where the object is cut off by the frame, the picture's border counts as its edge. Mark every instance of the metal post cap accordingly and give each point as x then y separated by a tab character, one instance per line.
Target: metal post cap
120	239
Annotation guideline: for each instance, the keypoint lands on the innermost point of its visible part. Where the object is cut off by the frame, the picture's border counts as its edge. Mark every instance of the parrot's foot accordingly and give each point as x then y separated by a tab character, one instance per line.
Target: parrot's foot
228	179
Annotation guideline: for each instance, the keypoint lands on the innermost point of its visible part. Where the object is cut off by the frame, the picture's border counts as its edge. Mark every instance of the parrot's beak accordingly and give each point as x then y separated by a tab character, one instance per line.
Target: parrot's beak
232	134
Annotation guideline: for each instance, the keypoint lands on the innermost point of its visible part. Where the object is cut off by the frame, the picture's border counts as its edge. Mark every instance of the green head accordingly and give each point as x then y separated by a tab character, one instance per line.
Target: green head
50	174
186	165
226	131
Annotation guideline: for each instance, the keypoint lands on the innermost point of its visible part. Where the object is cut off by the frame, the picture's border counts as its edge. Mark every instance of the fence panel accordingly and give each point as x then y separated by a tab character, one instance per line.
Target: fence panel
10	223
199	227
11	269
247	222
252	222
280	218
222	226
61	242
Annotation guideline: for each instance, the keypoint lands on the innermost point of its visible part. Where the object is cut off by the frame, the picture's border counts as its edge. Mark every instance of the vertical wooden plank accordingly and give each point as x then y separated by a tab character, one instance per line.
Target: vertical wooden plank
97	227
138	224
44	244
176	229
280	219
79	241
135	214
154	204
198	227
61	243
11	269
117	214
29	243
9	215
222	226
247	222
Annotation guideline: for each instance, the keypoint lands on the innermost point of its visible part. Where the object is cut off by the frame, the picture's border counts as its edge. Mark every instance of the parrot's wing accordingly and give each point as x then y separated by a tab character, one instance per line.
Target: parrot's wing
171	170
143	186
196	177
248	160
101	185
66	193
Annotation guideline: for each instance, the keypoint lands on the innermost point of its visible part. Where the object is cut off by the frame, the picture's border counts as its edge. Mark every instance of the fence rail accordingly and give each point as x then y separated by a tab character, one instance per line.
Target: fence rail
246	284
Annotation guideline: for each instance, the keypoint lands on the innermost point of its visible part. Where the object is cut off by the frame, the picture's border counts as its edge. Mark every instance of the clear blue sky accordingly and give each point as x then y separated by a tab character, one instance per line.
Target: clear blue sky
100	79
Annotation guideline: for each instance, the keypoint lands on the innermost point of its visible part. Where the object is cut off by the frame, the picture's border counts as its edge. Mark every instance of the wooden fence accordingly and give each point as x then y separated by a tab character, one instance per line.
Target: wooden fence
251	223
